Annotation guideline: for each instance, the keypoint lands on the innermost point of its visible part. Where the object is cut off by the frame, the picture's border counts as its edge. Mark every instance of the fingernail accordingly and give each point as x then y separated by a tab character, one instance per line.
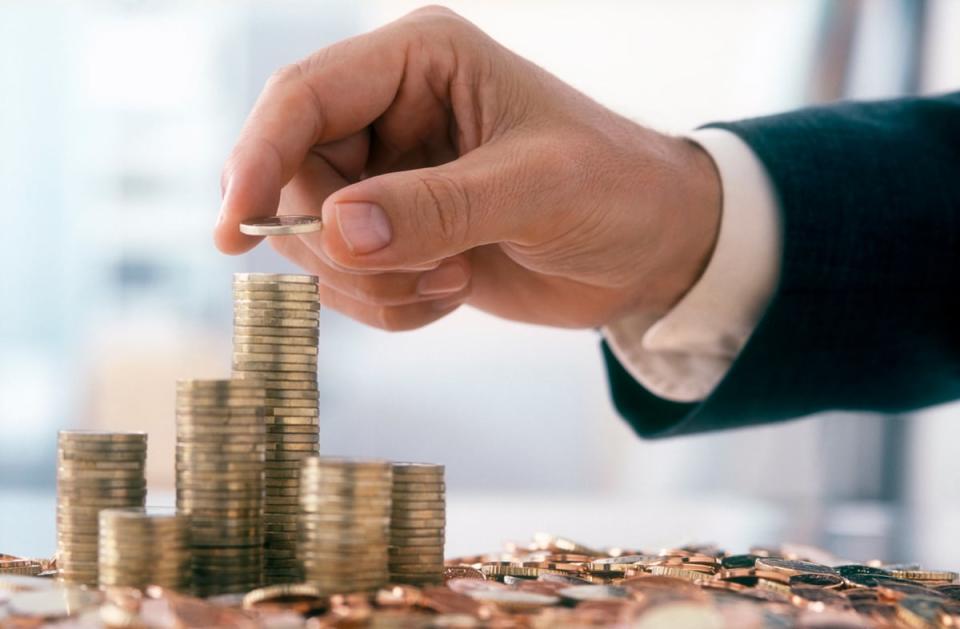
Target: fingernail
364	226
448	278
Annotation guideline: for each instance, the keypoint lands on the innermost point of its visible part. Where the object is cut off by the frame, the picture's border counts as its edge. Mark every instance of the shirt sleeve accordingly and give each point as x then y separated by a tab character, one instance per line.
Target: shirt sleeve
684	355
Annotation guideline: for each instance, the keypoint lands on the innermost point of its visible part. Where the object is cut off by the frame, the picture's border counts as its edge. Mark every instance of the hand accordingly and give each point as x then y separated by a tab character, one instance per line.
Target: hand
448	170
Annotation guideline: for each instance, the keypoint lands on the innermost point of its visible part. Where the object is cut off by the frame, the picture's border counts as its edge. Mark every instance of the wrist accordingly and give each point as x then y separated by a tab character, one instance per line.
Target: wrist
691	207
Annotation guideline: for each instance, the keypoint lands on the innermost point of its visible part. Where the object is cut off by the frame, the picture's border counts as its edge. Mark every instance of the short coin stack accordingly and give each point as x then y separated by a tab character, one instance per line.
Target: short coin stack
344	523
220	454
95	470
275	340
141	547
417	524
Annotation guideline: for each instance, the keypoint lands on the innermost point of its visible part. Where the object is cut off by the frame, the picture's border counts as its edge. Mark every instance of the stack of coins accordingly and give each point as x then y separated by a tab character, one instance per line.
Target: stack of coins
95	470
275	340
417	524
141	547
344	523
220	454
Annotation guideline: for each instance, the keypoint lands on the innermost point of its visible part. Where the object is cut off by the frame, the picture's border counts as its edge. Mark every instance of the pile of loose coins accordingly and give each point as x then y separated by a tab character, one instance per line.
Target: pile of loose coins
95	470
417	524
221	445
344	523
140	547
275	338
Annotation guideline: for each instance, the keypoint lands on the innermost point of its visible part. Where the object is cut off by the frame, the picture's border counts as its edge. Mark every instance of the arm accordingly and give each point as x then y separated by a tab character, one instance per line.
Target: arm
865	314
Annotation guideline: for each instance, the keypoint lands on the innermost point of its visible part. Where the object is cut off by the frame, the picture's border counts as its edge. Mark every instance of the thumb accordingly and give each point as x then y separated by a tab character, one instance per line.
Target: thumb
404	219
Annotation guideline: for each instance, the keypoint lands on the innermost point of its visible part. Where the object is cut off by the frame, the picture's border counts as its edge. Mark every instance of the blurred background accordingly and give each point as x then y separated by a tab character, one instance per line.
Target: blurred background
115	119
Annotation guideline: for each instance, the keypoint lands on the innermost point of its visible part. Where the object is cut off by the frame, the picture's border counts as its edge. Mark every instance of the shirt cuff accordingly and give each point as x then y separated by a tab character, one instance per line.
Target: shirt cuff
684	355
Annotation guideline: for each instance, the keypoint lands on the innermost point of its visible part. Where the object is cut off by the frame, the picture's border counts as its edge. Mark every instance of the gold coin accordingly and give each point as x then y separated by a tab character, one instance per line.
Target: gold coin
200	403
244	311
248	306
432	470
438	503
280	423
280	439
98	493
293	394
219	467
287	225
251	429
189	447
268	293
402	488
277	405
278	431
201	510
243	349
302	386
418	514
66	471
292	341
106	448
309	334
284	455
99	464
279	369
218	388
308	377
274	278
416	551
243	320
101	436
925	575
401	537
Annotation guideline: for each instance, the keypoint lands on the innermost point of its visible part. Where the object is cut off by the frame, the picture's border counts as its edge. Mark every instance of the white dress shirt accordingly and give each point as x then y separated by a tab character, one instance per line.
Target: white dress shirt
684	355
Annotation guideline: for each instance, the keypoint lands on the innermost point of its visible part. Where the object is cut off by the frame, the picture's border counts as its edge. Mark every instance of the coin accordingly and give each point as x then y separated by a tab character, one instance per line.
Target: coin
221	444
286	225
275	349
275	340
101	436
792	567
273	278
139	547
268	292
304	335
254	310
95	470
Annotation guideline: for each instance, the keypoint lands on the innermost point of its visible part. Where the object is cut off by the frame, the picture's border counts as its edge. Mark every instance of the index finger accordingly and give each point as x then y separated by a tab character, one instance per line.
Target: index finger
329	95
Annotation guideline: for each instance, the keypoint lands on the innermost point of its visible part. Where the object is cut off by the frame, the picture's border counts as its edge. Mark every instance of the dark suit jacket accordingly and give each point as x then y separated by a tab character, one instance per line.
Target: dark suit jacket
866	315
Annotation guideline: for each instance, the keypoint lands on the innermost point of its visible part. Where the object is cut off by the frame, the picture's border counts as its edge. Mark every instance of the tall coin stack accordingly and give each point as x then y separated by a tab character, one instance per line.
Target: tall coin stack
220	453
344	523
417	524
141	547
95	470
275	340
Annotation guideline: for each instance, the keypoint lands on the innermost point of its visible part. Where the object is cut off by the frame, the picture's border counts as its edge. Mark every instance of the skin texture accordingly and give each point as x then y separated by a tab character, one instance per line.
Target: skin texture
499	186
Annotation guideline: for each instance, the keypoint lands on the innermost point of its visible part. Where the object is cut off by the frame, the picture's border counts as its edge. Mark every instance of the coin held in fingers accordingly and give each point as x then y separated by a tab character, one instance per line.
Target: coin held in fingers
281	225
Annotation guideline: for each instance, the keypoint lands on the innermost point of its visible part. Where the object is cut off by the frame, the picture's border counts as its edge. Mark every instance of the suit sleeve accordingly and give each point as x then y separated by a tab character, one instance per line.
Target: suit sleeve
866	314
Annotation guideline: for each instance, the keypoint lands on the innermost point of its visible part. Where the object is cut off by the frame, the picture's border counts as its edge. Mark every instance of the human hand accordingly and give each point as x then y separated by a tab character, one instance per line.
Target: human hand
448	170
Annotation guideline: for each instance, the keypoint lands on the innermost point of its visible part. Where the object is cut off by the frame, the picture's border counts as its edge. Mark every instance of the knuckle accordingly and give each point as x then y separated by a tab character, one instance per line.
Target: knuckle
285	74
434	11
439	23
441	201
